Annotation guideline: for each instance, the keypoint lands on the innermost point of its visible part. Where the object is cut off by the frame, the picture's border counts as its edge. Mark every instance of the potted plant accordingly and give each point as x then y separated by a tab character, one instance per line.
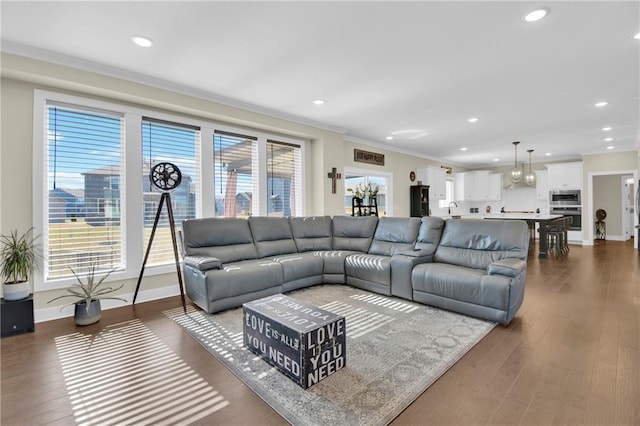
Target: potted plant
88	294
19	256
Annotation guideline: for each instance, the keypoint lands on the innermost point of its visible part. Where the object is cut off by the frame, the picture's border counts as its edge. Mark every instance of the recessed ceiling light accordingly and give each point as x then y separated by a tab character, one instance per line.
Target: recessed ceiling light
610	147
637	36
142	41
548	154
536	15
319	102
608	139
463	148
473	120
607	129
389	138
601	104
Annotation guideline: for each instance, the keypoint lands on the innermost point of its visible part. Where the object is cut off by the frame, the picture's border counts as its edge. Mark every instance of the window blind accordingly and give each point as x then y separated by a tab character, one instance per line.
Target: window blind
284	178
84	197
178	144
235	165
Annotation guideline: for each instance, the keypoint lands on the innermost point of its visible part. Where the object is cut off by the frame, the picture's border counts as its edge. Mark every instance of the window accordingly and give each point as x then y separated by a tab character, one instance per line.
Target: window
357	180
235	164
95	205
237	161
448	190
283	179
177	144
84	219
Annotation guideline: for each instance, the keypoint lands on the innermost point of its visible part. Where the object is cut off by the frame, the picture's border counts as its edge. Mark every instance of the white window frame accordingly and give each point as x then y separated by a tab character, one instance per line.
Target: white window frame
133	216
387	175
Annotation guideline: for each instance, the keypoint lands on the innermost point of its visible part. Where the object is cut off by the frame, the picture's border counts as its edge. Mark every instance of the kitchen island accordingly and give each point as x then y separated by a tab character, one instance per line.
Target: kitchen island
531	219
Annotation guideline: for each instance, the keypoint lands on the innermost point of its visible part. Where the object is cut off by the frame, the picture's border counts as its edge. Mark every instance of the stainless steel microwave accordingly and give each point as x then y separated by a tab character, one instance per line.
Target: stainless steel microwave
565	197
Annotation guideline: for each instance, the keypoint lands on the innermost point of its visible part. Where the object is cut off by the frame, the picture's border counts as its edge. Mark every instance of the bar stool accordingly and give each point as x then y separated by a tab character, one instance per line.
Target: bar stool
557	232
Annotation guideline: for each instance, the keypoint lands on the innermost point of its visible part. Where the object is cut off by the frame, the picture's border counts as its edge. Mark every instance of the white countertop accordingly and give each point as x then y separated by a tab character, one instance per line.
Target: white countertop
520	216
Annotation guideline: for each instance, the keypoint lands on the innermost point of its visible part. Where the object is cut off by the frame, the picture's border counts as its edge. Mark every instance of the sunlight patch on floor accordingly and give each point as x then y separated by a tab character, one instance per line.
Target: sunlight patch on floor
126	375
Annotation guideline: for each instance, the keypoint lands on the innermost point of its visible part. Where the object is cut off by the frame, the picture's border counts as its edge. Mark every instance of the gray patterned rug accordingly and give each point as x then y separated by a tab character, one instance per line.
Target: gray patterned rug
395	350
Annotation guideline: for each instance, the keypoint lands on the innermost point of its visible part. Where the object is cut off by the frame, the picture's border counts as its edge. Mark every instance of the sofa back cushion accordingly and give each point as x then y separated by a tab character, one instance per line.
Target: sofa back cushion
272	235
475	243
430	233
353	233
228	239
394	234
311	233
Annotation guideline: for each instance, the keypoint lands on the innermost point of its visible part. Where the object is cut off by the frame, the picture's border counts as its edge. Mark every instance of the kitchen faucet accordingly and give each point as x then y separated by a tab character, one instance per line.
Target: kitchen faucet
454	203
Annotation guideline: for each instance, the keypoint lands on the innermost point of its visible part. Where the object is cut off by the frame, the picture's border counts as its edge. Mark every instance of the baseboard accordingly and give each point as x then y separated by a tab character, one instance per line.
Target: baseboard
615	238
53	313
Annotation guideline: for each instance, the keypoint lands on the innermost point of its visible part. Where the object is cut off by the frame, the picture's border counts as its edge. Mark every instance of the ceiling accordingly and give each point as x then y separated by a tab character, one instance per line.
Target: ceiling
415	71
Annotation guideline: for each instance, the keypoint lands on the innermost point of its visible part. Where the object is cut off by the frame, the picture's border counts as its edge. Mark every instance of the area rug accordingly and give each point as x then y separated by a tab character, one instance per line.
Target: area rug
395	350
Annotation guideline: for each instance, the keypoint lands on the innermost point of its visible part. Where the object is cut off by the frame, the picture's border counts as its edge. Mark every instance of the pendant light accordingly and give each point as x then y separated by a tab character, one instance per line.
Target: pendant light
530	177
516	172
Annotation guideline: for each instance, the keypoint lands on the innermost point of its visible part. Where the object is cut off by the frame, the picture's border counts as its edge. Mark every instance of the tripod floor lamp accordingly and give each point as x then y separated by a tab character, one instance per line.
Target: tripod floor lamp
166	177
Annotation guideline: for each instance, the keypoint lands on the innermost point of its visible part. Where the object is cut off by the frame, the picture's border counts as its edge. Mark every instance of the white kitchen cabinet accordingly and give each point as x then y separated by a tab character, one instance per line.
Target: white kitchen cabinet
462	184
565	175
436	178
542	185
472	186
495	187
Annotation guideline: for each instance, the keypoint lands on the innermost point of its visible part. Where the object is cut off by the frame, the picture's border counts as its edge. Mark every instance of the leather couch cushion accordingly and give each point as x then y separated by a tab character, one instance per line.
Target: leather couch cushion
242	278
394	234
228	239
474	244
353	233
300	265
369	267
311	233
464	284
272	236
430	233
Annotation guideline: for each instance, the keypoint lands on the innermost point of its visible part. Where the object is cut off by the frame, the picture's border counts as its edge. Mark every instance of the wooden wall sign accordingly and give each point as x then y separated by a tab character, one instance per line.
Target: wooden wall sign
361	156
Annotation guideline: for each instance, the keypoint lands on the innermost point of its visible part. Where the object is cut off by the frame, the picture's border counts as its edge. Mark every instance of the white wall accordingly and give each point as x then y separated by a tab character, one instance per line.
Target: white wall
21	76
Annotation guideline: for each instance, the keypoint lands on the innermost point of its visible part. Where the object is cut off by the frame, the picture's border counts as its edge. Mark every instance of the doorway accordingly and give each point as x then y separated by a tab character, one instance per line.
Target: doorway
362	178
628	194
613	192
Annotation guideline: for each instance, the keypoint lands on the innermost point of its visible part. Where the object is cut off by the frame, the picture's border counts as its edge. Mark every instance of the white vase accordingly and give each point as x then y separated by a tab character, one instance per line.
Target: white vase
16	291
84	316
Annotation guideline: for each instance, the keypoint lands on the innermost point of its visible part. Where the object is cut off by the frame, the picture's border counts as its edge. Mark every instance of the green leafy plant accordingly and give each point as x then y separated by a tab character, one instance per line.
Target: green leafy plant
90	290
361	191
19	256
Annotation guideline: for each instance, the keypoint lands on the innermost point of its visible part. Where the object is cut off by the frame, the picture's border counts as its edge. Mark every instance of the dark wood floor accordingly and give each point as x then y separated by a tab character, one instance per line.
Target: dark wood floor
571	356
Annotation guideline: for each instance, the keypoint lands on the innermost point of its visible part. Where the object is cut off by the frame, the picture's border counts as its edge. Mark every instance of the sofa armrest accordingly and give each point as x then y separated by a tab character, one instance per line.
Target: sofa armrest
203	263
402	264
510	267
416	253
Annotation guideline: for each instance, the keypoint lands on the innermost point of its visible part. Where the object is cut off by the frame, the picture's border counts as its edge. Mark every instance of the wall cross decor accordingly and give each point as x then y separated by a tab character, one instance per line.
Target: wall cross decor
334	176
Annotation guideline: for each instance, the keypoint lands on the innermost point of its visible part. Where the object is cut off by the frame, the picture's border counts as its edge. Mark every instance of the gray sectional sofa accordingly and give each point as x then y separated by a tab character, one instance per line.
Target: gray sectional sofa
474	267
